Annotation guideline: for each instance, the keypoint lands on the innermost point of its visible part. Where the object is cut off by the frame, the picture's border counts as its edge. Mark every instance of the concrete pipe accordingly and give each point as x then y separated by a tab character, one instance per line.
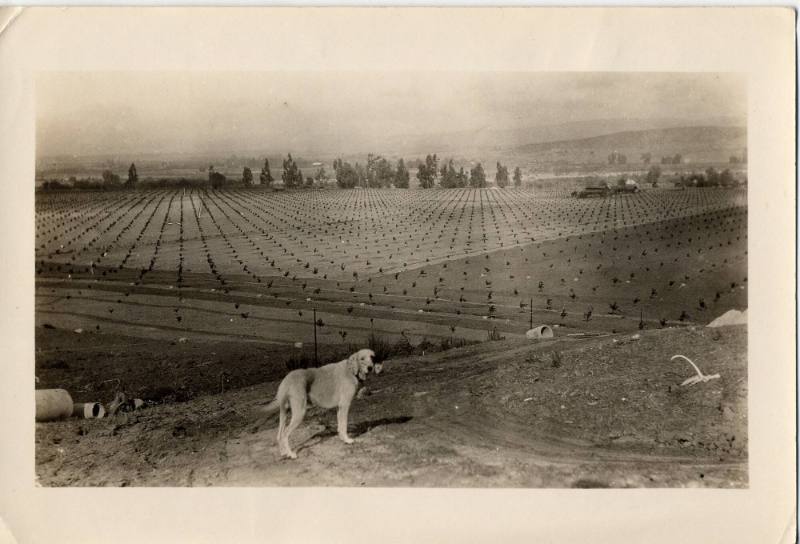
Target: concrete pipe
88	410
539	331
53	404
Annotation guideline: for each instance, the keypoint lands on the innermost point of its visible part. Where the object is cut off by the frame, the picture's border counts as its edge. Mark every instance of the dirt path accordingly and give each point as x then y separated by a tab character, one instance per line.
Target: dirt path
498	414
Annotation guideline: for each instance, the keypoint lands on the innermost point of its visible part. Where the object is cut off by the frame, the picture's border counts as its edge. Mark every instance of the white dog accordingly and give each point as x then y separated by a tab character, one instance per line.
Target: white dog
328	386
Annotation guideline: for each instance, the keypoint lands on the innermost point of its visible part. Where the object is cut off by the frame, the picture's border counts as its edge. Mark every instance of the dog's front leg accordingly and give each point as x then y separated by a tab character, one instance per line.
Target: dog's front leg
342	420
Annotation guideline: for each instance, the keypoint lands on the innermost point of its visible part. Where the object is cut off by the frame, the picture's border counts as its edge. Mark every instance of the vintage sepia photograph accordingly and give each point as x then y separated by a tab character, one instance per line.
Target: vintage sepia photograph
398	274
448	279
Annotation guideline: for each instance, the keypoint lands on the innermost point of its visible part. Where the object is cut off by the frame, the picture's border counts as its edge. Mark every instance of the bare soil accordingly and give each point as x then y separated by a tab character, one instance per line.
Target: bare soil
605	412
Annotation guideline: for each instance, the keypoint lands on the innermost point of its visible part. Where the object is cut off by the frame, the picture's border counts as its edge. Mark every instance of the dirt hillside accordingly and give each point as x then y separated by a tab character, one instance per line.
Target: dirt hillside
604	411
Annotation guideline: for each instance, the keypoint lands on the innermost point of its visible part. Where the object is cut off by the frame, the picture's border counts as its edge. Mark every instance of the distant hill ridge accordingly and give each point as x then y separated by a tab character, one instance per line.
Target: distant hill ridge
686	140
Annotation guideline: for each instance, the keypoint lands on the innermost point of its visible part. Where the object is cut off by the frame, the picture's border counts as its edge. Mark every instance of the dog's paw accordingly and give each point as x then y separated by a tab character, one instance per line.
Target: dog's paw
289	455
348	440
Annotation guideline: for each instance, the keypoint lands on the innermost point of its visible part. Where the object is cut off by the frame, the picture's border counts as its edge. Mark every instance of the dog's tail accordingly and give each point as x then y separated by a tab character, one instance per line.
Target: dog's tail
269	411
271	408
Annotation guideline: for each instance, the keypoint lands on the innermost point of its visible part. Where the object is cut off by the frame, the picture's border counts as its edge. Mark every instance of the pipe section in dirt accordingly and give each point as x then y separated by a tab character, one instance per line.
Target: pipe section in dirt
88	410
52	404
539	331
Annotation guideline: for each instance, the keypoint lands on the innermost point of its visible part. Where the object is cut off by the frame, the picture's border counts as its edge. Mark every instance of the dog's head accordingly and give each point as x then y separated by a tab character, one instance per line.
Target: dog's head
360	363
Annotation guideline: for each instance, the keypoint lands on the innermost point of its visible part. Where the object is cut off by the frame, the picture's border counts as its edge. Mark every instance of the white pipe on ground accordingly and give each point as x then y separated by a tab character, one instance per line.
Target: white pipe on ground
539	331
53	404
88	410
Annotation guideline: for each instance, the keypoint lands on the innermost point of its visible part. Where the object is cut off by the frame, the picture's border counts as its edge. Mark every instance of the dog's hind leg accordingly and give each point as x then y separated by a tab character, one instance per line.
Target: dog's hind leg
281	427
298	406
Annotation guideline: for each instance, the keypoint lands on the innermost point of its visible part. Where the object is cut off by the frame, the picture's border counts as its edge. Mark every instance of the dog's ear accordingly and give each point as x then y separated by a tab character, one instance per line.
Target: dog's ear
352	364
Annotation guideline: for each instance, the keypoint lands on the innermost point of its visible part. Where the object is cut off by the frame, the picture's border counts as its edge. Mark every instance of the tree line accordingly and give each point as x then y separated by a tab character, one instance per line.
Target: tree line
377	172
381	172
620	158
710	178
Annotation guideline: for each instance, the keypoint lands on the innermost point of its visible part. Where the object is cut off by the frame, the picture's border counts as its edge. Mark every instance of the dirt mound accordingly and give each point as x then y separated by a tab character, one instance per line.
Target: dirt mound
731	317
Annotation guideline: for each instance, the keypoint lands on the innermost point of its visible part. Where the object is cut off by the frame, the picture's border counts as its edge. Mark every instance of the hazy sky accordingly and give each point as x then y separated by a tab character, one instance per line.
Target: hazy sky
204	112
